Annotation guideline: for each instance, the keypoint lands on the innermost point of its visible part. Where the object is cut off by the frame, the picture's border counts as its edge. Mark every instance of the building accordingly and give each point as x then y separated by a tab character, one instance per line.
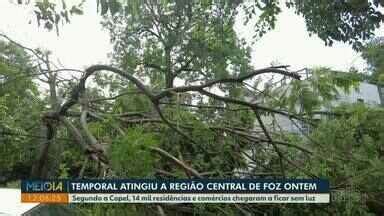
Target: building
365	92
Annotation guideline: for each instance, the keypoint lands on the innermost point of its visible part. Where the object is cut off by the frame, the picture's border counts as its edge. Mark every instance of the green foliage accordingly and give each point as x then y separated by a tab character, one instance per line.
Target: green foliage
71	161
131	155
320	89
14	56
351	21
373	53
348	151
184	39
161	41
63	171
132	103
50	14
19	110
212	150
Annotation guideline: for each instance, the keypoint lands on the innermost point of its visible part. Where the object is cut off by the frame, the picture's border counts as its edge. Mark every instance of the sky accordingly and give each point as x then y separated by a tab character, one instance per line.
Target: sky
83	42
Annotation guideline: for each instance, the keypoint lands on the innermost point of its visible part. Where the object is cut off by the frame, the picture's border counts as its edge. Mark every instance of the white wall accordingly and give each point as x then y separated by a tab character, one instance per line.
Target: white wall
366	91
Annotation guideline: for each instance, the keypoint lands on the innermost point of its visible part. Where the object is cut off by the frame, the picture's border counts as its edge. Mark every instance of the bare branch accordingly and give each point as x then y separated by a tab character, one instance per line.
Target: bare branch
203	106
247	134
177	161
114	97
34	52
277	150
67	69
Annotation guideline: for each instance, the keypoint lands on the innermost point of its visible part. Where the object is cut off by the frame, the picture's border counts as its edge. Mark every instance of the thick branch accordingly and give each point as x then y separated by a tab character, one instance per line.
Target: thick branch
245	134
251	105
113	97
226	80
83	122
80	88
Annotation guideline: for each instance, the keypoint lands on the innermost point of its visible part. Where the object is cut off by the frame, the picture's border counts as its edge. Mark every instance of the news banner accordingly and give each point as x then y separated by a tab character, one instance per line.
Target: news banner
176	191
